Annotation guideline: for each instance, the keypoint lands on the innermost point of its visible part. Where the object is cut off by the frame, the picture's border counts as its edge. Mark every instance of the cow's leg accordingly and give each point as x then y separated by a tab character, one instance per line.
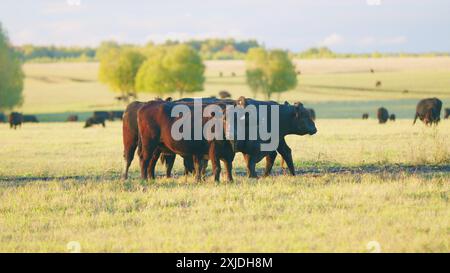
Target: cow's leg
197	167
251	166
152	163
170	161
229	168
148	148
286	153
188	163
270	160
130	144
215	162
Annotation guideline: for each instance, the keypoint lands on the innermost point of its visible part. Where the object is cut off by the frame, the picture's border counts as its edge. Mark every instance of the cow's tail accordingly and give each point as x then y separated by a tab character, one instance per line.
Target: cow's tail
162	158
415	118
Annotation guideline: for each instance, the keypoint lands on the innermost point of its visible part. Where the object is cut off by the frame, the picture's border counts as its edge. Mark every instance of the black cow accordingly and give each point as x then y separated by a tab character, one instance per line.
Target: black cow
365	116
15	120
102	115
392	117
93	121
30	118
446	113
429	111
2	118
382	115
115	115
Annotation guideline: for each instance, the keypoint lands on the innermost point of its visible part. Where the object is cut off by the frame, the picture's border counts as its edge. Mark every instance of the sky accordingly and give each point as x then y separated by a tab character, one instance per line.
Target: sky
343	25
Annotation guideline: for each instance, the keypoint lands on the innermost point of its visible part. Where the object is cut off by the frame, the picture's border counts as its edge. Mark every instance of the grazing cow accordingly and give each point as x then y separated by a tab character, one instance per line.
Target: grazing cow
312	113
102	115
392	117
130	134
365	116
93	121
293	120
72	118
382	115
155	134
372	71
15	120
429	111
446	113
113	115
224	94
378	84
2	118
30	118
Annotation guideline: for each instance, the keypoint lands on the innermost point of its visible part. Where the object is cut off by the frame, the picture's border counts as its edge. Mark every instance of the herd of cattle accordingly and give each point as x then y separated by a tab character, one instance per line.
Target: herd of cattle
147	129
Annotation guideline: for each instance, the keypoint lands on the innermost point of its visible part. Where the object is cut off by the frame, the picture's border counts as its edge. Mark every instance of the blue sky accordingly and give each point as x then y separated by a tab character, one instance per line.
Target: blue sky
343	25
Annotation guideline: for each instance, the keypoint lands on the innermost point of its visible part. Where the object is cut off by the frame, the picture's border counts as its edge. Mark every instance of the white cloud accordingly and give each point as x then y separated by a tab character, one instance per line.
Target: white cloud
332	40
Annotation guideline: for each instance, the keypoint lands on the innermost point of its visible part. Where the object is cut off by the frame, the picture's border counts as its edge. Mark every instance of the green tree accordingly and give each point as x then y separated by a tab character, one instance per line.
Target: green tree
119	67
270	71
168	69
11	74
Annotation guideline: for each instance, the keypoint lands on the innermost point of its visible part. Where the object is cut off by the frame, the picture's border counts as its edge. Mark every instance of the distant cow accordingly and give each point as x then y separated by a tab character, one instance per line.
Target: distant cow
113	115
93	121
2	118
224	94
382	115
15	120
429	111
365	116
372	71
446	113
312	113
72	118
378	84
30	118
392	117
102	114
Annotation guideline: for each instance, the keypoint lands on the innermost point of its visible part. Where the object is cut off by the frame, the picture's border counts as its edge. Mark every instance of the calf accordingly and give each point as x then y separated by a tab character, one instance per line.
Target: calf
429	111
155	134
93	121
15	120
392	117
365	116
382	115
130	136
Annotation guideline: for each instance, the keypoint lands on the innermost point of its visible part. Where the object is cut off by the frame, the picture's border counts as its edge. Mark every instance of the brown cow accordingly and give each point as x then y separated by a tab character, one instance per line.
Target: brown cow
155	134
130	134
429	111
224	94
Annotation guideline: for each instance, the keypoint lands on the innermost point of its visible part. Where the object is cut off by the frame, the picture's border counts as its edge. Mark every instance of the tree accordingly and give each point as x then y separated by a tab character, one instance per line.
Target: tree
11	74
170	69
270	71
119	67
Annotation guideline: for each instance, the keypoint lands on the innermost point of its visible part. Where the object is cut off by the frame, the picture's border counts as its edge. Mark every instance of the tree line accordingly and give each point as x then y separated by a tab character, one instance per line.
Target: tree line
179	68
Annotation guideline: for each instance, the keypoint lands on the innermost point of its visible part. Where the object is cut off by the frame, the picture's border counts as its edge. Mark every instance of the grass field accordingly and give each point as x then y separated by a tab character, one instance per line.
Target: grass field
357	181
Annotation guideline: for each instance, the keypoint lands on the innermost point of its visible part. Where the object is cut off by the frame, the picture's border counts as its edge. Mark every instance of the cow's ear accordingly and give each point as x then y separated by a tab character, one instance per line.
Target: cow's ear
241	102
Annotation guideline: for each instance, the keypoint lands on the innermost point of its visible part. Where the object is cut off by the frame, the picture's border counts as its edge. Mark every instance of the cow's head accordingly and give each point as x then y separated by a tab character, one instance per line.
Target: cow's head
301	122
